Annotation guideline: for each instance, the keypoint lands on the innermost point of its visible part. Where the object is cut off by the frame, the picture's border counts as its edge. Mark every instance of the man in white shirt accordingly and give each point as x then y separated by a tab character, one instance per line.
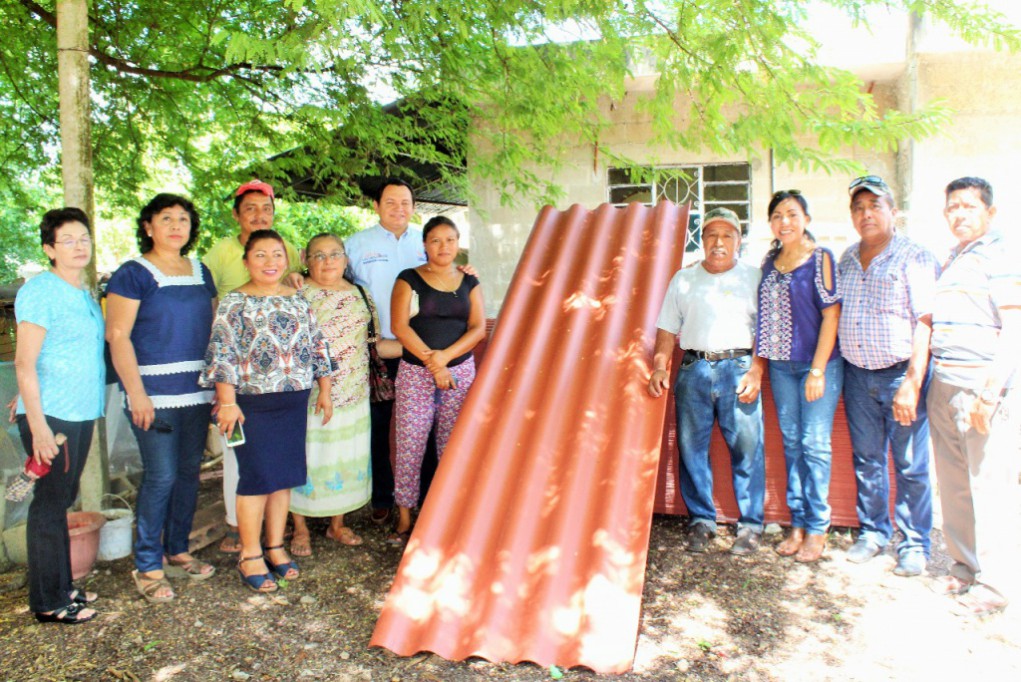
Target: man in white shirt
710	309
376	256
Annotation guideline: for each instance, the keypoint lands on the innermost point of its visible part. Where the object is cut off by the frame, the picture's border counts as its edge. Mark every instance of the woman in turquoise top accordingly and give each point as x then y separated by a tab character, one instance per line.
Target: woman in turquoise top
61	377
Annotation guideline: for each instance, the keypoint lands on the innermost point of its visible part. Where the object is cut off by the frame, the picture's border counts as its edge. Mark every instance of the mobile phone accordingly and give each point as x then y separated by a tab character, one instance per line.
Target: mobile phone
237	438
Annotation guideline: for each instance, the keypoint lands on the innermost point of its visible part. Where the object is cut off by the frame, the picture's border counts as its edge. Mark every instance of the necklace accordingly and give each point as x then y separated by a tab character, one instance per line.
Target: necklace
442	281
790	263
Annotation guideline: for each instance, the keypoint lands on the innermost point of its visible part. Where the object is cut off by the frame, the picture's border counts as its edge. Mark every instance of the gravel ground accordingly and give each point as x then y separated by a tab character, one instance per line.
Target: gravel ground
705	617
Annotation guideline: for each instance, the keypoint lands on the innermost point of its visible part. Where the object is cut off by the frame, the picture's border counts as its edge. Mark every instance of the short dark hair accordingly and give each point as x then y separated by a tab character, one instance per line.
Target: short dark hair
160	203
240	197
56	218
438	221
377	196
263	234
985	190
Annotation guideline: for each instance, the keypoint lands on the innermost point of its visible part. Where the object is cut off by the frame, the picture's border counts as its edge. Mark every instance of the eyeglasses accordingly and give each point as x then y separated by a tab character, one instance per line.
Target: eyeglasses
792	192
86	241
322	257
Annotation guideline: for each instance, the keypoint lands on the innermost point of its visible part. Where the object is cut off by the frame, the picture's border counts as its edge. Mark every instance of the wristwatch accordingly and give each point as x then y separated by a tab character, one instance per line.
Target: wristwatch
988	396
816	372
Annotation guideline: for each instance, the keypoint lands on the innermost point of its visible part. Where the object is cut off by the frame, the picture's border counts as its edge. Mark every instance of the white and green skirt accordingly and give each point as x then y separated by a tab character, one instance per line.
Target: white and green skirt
337	455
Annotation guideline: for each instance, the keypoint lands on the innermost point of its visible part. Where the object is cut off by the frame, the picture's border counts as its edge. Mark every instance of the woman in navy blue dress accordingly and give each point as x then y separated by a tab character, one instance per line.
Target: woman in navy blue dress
159	313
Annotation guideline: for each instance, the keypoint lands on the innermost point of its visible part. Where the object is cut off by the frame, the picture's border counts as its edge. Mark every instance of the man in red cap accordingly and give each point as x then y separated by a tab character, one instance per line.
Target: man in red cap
253	210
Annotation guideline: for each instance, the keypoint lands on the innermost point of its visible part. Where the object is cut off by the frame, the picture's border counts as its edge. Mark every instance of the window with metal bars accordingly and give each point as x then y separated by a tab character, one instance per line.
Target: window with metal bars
706	186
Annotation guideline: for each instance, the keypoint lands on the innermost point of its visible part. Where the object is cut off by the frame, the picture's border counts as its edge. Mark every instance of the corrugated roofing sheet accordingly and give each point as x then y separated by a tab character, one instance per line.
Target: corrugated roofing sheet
532	543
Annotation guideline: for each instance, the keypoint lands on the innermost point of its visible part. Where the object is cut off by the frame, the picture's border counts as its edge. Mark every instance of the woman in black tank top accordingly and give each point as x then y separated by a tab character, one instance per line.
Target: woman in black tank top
438	316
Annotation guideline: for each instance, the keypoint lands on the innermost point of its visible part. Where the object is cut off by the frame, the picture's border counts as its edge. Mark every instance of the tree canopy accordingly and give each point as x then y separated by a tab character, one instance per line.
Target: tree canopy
207	90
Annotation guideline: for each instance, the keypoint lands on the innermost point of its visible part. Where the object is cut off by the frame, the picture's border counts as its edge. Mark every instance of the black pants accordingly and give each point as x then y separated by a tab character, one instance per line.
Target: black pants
48	541
381	414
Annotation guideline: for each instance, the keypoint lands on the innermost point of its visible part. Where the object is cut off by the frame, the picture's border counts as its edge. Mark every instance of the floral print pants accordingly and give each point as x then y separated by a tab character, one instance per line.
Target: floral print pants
419	404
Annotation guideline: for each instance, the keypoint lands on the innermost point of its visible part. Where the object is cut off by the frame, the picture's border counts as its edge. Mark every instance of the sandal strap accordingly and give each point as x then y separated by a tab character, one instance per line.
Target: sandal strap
270	549
243	559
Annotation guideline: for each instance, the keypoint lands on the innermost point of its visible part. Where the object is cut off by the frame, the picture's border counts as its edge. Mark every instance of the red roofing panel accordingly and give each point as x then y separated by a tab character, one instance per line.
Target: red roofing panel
532	542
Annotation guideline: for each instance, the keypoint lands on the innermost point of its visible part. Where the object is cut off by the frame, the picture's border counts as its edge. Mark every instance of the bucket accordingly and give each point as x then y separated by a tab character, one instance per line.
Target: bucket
83	527
115	535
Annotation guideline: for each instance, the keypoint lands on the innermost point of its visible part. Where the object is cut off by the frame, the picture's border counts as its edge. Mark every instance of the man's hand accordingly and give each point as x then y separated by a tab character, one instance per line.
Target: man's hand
468	269
659	383
750	385
294	280
905	402
981	415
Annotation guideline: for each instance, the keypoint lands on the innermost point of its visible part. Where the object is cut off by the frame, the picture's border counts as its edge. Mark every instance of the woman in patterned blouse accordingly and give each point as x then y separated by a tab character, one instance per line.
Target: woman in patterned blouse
265	352
339	473
799	308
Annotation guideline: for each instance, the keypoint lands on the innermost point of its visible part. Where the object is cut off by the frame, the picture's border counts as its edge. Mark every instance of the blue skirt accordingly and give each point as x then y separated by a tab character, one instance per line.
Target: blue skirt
273	456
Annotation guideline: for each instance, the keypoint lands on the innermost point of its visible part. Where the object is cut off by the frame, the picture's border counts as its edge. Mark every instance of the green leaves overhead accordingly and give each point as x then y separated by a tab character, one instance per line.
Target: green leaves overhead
213	88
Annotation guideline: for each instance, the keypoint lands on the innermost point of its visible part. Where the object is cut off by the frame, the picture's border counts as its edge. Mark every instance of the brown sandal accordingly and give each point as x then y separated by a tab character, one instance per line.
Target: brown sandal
811	549
791	545
345	536
148	587
188	568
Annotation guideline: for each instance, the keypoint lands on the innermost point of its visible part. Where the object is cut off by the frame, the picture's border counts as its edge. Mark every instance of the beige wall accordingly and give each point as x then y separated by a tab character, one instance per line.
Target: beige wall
986	129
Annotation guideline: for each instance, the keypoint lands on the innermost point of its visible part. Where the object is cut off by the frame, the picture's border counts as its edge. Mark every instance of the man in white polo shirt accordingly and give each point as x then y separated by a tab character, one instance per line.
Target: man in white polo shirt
710	308
377	255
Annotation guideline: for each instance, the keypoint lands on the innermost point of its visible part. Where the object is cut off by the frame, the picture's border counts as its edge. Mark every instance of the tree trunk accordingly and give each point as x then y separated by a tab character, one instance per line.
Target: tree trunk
76	169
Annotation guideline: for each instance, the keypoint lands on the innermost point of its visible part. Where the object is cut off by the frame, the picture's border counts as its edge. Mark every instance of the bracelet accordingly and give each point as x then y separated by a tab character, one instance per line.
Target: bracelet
228	404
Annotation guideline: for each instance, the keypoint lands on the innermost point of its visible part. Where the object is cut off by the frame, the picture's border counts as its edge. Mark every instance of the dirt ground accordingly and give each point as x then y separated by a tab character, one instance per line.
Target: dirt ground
705	617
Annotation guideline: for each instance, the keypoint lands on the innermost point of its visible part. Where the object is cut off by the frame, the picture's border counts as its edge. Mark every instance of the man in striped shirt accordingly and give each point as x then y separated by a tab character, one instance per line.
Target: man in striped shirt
887	282
974	407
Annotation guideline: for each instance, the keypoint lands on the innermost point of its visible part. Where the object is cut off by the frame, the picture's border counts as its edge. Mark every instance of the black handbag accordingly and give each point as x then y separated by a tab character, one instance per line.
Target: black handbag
381	386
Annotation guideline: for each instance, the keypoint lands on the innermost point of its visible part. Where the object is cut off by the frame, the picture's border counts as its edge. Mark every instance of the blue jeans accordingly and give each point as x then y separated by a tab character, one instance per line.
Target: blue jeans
868	400
170	482
703	392
806	429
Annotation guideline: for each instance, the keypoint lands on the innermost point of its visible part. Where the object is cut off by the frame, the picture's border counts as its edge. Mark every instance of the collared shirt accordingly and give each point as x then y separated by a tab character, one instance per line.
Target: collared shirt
225	259
70	367
882	304
712	312
376	257
978	281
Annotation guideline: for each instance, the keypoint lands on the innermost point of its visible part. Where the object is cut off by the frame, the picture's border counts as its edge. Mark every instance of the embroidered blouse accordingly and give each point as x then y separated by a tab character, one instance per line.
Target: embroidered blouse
790	308
344	321
265	344
171	329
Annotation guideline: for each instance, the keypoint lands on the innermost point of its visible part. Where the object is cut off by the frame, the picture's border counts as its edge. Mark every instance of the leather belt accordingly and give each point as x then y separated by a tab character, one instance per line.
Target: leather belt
714	356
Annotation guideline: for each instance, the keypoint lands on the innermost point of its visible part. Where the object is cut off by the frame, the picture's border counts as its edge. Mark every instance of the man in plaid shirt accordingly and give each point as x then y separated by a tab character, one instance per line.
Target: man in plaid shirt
887	282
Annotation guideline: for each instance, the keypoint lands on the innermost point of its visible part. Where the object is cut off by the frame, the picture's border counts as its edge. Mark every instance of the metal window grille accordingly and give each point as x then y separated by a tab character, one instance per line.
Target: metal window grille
706	186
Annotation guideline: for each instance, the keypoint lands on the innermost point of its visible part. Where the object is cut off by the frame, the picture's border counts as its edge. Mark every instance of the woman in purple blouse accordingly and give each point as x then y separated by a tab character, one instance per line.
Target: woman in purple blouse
797	332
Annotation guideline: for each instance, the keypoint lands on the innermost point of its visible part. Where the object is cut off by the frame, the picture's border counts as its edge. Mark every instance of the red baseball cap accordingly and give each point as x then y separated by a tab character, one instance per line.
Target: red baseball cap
256	186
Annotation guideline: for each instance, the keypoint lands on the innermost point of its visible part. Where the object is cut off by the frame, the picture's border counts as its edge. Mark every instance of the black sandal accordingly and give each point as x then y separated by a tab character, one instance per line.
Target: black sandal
81	597
69	615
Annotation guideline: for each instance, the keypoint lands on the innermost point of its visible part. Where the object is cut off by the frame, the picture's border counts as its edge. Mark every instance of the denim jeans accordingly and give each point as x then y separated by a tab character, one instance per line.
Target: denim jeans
868	400
806	428
703	392
170	482
47	536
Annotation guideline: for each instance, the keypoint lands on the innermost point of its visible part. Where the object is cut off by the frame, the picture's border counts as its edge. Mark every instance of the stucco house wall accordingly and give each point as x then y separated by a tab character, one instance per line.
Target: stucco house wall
979	86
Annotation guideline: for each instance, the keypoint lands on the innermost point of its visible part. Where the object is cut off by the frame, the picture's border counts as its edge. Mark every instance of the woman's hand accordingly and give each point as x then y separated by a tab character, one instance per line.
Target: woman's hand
227	417
325	405
436	360
12	408
44	445
815	386
444	379
142	410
